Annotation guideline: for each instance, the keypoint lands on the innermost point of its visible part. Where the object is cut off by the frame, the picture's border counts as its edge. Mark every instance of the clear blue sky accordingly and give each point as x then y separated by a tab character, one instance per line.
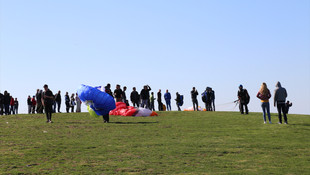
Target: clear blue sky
168	44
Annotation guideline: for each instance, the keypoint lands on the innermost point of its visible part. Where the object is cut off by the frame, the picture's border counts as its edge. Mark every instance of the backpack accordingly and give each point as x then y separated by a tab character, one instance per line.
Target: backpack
181	100
203	97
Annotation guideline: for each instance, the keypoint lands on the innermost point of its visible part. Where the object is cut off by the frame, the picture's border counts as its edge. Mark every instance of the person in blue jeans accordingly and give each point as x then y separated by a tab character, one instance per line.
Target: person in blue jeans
167	97
264	95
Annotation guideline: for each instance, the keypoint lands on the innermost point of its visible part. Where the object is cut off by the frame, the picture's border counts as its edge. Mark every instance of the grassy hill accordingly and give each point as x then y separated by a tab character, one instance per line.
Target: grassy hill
172	143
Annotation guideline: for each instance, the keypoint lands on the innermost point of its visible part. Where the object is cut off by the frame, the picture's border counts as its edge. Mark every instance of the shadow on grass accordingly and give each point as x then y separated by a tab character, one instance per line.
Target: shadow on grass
125	123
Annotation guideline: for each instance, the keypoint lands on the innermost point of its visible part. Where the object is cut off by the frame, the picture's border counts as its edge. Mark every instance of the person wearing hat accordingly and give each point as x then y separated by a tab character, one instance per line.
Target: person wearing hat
244	99
47	101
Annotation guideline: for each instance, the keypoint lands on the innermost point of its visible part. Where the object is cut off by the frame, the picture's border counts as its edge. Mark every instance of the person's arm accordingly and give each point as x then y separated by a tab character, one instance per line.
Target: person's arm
149	87
258	95
275	98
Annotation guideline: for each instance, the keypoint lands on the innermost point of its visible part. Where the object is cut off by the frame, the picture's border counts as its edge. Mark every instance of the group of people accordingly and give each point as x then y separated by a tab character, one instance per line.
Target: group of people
8	105
35	104
264	95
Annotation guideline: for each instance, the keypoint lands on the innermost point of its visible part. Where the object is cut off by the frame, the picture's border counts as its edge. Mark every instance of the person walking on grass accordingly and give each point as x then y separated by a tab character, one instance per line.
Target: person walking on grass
152	99
167	97
58	101
47	101
280	95
178	101
160	104
264	95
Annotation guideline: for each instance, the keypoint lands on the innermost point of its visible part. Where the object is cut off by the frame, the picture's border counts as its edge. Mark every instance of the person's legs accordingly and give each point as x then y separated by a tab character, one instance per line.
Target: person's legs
194	107
264	111
246	109
29	109
106	118
283	108
58	106
279	113
16	109
268	111
213	105
241	107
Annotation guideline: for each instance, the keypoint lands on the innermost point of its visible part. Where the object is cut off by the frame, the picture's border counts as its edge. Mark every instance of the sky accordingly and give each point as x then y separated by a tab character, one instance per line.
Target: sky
167	44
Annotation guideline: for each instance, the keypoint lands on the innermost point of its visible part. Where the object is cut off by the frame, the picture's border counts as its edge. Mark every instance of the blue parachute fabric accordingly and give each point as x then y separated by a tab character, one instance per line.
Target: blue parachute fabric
102	103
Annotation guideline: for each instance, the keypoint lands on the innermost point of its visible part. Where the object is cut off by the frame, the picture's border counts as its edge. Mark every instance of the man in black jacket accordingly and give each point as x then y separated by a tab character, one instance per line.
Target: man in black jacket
145	96
134	97
244	100
160	104
58	101
48	100
194	94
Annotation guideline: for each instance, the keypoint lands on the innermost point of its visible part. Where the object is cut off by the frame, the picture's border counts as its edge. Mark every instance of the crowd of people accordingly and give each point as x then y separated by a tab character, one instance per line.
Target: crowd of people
8	104
45	99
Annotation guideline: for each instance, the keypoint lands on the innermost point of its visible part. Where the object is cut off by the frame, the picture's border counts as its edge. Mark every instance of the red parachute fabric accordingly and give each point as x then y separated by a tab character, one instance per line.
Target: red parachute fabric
123	110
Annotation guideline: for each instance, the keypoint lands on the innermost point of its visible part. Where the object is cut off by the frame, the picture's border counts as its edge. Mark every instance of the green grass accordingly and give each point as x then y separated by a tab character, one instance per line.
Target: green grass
172	143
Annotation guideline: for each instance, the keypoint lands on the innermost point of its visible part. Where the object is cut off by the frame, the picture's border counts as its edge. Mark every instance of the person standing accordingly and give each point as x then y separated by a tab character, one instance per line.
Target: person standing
145	96
280	95
178	101
29	103
72	102
12	110
134	97
124	94
167	97
67	102
78	103
118	93
16	105
107	89
47	101
152	99
160	104
6	102
194	94
58	100
212	94
244	99
39	102
33	104
264	95
1	104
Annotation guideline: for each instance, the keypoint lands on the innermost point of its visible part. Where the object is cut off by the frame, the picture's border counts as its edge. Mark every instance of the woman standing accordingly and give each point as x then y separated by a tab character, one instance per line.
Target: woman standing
264	95
72	103
78	103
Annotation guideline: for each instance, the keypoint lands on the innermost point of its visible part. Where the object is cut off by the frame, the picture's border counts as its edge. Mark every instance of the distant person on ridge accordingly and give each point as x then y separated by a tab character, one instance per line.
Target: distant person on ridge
107	89
58	101
16	105
212	93
1	104
48	100
12	110
39	101
280	95
124	94
29	103
178	101
6	102
264	95
244	99
194	94
33	104
78	103
67	102
152	99
134	97
72	102
118	93
167	97
145	96
160	104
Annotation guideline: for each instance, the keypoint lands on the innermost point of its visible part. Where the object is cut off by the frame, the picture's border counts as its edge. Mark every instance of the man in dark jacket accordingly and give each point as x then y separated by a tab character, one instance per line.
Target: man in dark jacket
58	101
160	104
107	89
39	101
134	97
244	99
145	96
280	95
67	102
6	102
194	94
212	94
48	100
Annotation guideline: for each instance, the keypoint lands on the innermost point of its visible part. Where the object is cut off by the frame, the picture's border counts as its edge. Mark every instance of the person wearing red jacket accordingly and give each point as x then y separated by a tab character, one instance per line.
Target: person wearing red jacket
12	111
34	103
